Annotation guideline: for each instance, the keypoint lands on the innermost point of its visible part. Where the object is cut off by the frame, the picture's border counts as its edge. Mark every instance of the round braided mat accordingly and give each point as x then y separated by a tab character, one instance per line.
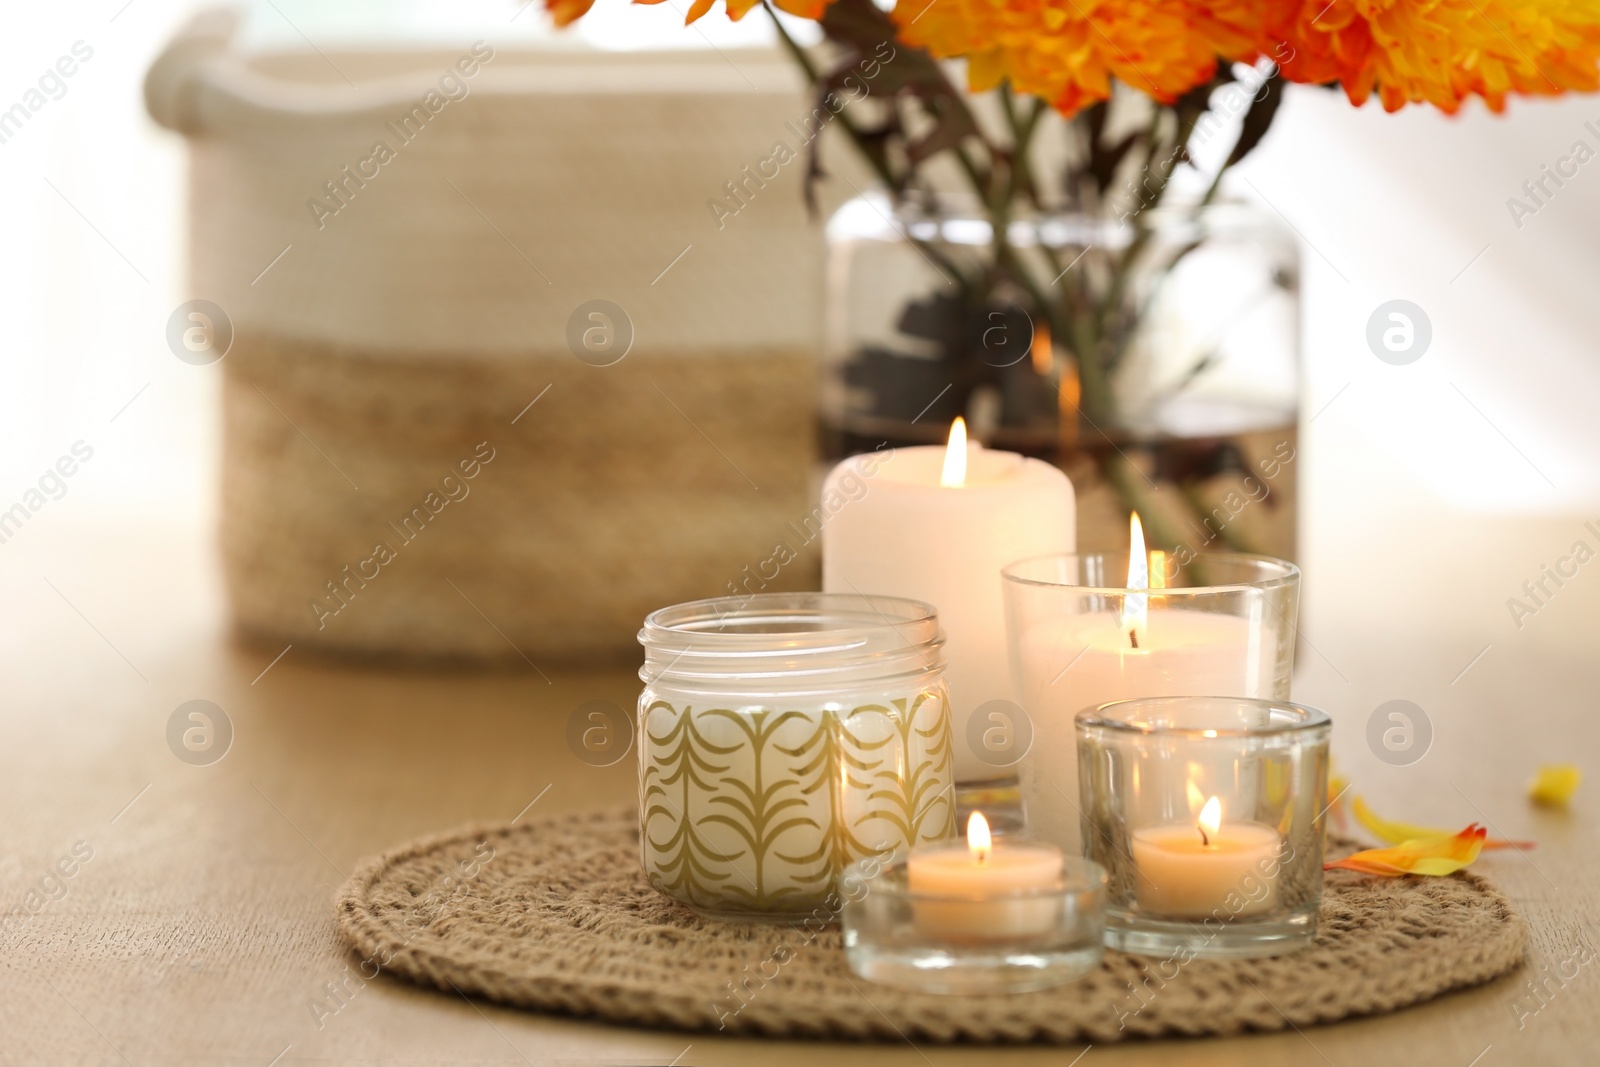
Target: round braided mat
555	915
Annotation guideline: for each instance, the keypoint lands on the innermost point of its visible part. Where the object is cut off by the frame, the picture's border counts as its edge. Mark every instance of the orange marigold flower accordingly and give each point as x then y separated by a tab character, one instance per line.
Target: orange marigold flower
1438	51
738	9
566	12
1068	51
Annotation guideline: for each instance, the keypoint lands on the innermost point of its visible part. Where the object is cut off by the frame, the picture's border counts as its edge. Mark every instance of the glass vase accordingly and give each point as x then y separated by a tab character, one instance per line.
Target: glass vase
1155	358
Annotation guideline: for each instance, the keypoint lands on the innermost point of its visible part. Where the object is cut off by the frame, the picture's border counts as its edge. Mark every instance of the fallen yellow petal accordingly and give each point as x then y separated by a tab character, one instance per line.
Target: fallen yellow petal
1555	784
1433	856
1398	832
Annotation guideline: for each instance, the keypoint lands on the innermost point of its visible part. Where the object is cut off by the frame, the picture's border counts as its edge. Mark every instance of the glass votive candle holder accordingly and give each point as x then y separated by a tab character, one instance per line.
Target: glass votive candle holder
1087	629
1208	814
784	736
957	918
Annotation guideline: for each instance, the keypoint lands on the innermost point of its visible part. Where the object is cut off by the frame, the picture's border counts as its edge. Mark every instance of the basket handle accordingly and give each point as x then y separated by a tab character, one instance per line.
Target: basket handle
181	76
199	85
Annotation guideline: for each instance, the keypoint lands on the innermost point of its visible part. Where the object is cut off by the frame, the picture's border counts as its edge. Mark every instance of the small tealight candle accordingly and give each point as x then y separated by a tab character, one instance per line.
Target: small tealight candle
988	888
1191	871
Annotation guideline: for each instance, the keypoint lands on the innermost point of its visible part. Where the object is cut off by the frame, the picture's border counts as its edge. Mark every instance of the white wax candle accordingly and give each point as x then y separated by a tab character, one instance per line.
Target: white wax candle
983	883
908	535
1076	662
1232	873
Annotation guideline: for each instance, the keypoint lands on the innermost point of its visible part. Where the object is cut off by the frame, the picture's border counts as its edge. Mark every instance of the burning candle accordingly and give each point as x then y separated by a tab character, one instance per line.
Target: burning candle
984	891
1209	814
937	525
1149	647
1207	867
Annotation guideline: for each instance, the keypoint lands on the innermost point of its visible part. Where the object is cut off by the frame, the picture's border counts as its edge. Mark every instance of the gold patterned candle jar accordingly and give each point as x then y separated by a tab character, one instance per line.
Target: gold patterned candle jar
784	737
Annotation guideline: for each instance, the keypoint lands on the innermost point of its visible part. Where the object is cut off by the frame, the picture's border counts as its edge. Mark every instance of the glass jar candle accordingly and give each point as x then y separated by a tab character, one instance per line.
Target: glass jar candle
1208	814
784	737
1093	628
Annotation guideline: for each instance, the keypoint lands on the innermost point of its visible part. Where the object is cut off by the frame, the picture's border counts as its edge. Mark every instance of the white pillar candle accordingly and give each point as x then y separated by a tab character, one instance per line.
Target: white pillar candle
1075	663
1208	868
991	887
1067	664
942	536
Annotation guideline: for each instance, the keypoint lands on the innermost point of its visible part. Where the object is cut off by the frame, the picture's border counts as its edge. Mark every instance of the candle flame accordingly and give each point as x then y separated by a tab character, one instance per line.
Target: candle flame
1135	606
1210	819
955	456
978	839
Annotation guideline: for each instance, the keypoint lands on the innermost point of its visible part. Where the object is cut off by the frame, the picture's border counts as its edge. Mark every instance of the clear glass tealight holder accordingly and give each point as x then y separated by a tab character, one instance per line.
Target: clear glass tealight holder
1208	814
971	939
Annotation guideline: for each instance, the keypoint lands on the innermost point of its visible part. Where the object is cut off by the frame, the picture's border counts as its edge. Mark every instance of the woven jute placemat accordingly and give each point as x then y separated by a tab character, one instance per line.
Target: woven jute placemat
554	915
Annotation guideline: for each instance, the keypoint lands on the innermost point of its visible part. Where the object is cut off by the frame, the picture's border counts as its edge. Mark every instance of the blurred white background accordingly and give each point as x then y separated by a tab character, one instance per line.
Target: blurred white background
1497	419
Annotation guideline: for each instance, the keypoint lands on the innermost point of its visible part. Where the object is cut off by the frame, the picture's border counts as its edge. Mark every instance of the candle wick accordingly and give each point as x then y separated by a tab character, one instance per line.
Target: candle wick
1204	840
1133	637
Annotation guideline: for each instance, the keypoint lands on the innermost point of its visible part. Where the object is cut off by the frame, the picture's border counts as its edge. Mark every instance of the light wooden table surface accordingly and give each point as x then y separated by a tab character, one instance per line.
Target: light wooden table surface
201	929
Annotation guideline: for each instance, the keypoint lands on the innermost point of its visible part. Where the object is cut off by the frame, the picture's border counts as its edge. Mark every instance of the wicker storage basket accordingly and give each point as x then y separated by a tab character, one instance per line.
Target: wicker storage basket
387	488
